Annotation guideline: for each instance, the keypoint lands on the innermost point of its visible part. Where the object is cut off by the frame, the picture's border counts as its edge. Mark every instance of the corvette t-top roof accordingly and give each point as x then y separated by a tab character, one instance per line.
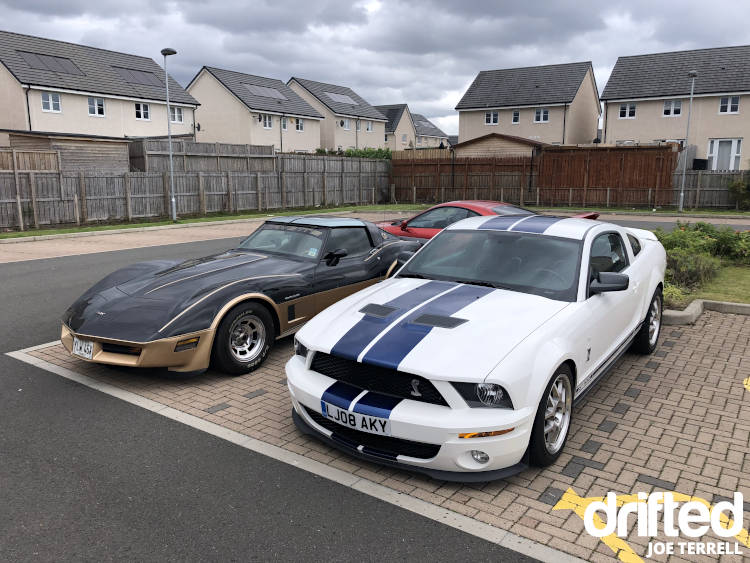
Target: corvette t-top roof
318	221
566	227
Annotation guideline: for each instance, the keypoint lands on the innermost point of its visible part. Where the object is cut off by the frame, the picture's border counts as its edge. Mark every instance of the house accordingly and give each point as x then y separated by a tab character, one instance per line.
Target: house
428	134
57	87
350	122
557	104
497	145
647	98
453	140
400	131
246	109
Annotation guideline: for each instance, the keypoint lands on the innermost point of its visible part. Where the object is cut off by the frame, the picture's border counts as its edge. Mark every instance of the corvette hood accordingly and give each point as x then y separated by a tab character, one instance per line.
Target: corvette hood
440	330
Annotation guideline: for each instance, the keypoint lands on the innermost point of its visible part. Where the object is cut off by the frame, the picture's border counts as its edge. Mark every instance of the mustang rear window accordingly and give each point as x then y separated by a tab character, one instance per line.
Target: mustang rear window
288	240
523	262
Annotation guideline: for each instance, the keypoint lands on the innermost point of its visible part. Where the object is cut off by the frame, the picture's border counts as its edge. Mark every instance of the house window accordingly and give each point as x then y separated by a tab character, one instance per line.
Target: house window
627	111
724	154
142	111
267	121
299	124
419	140
403	139
516	116
96	107
541	115
491	118
175	114
51	102
358	125
283	123
368	126
729	104
672	108
346	125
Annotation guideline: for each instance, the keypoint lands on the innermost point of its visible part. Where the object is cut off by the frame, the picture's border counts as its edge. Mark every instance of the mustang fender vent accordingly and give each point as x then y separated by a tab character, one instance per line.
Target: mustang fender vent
438	321
379	311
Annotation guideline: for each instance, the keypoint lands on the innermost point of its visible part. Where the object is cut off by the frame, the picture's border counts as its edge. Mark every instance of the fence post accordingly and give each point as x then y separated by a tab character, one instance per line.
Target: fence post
201	194
341	162
17	184
128	204
696	202
537	196
360	197
466	177
570	197
258	192
75	209
165	187
84	203
218	157
230	195
621	180
34	210
649	197
414	194
282	180
324	182
393	193
586	179
305	186
608	196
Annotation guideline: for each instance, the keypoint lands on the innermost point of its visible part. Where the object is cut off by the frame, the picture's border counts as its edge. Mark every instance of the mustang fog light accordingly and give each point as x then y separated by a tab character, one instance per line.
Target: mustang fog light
299	348
485	434
480	456
187	344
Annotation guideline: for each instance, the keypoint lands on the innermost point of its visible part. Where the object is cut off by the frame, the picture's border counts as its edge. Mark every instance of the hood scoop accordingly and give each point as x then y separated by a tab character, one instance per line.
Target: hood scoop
438	321
378	311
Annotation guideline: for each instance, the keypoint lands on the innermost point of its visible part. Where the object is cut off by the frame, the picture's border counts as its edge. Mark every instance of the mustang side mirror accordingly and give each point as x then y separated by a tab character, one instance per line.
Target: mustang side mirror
609	281
333	257
404	226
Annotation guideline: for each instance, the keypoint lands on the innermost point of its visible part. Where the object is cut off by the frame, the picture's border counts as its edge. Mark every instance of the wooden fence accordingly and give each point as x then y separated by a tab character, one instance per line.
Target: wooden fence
152	155
35	198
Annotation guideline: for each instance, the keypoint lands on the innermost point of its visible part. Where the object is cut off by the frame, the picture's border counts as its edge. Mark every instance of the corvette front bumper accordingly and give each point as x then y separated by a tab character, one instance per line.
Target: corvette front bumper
154	354
432	431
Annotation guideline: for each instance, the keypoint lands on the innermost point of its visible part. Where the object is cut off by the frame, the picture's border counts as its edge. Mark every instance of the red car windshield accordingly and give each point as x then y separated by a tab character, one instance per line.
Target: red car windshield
511	210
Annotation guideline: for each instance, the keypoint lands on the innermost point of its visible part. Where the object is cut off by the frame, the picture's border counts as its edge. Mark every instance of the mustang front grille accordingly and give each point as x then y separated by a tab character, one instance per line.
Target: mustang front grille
381	446
380	380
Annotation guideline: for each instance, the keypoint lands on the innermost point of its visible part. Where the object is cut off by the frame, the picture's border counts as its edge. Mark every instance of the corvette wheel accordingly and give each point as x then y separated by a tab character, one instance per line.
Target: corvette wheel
552	421
243	340
648	336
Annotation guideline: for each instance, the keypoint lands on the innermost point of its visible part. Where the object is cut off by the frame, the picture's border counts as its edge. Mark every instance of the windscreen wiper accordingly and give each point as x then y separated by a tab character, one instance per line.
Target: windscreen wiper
417	276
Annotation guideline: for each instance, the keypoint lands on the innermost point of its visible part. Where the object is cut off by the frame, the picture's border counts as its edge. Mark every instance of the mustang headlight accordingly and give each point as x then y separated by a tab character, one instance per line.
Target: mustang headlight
489	395
299	348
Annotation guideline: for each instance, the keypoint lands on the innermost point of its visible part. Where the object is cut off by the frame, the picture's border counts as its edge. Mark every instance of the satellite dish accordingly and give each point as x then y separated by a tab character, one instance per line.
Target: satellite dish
341	123
198	126
260	117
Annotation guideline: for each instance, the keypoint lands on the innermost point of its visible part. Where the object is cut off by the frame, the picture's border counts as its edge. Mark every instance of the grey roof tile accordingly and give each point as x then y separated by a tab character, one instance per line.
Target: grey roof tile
98	69
722	69
237	82
426	127
536	85
392	113
320	90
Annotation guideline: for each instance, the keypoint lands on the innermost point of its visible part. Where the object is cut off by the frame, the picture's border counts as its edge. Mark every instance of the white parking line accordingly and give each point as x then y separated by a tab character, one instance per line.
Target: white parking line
459	521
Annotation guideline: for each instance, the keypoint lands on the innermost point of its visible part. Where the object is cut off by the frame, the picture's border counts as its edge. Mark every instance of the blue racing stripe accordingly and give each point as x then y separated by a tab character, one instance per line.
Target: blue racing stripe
340	394
375	404
499	223
390	350
357	338
537	224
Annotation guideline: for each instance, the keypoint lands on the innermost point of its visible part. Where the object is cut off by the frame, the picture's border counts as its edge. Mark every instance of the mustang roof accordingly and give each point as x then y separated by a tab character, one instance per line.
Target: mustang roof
566	227
319	221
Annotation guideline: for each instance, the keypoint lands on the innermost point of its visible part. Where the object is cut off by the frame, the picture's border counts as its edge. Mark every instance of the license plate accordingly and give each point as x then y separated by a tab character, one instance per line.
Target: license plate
361	422
83	348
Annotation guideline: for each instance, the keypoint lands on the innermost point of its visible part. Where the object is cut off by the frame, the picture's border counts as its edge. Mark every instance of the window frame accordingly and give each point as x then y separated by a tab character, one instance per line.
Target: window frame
668	110
51	96
283	122
404	138
144	109
348	255
541	115
368	126
299	125
491	118
93	103
174	111
729	104
515	118
347	125
630	108
267	121
712	153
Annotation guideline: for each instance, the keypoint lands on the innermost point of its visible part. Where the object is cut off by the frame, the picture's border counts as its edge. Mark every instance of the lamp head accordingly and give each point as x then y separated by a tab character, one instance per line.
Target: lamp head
168	51
693	73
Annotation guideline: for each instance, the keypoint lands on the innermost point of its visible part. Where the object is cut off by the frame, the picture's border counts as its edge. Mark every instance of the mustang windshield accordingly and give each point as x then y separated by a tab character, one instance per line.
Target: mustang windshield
289	240
527	263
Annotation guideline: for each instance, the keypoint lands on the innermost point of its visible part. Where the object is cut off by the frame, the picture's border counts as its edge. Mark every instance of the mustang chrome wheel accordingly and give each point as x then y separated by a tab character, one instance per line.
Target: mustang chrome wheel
247	336
557	414
655	321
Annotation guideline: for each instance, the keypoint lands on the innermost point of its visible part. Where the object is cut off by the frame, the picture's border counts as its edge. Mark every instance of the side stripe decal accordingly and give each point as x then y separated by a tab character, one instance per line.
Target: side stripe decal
351	345
537	224
396	344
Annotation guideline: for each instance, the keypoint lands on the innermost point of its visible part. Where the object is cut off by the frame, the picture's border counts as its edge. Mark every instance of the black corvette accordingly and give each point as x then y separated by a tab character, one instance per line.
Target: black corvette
228	309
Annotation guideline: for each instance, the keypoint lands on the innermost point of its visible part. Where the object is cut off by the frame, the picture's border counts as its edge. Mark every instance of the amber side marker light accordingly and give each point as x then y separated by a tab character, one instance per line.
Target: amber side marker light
186	344
485	434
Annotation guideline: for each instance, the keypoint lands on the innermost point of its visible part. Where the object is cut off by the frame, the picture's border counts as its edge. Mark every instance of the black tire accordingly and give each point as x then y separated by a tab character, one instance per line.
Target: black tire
645	342
246	319
539	453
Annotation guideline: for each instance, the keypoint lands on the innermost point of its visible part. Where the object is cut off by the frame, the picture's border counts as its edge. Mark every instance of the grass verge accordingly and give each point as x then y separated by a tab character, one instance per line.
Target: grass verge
641	211
732	283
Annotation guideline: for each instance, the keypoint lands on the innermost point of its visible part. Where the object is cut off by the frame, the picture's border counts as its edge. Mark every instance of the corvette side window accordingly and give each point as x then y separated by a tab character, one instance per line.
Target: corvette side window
608	254
352	239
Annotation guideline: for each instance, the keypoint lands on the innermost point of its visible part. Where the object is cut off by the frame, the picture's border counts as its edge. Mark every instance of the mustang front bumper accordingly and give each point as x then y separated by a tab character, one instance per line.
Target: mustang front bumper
424	437
154	354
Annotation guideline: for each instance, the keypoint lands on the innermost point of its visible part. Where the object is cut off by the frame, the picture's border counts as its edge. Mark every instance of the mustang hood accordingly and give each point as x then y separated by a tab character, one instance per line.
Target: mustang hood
133	304
441	330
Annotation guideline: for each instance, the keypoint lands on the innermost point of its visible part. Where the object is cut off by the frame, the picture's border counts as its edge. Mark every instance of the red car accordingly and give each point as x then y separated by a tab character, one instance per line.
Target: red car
429	223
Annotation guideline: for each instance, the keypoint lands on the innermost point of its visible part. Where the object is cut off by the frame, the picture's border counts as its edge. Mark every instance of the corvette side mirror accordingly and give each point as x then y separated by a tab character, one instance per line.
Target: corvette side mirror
609	281
404	227
403	257
333	257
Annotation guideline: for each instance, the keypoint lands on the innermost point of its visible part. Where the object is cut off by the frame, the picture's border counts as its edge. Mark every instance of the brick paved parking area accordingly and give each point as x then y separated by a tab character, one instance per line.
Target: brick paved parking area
675	421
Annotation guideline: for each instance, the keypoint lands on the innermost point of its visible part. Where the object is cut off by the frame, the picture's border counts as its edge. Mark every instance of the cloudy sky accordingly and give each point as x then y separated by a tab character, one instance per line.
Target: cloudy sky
424	53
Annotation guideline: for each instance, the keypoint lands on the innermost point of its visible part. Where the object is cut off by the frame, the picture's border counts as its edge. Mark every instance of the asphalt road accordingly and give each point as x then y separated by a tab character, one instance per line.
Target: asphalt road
86	477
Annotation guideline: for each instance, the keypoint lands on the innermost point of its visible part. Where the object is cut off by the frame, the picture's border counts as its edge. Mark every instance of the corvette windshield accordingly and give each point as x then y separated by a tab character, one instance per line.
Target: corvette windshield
289	240
527	263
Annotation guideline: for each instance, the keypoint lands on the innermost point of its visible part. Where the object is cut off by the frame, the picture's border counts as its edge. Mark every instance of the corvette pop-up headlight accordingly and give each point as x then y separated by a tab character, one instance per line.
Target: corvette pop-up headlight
479	395
299	348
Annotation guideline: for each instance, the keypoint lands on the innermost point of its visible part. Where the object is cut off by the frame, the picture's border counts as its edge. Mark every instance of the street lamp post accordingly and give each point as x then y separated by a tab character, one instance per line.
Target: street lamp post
166	52
692	74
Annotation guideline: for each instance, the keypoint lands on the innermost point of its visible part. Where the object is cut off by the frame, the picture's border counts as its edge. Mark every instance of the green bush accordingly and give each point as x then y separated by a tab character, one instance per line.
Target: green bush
704	238
689	269
740	191
673	295
384	154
